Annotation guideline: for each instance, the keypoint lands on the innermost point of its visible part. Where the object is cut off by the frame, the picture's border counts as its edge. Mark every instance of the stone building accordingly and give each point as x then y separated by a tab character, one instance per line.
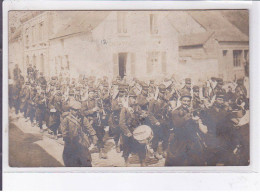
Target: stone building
112	43
143	44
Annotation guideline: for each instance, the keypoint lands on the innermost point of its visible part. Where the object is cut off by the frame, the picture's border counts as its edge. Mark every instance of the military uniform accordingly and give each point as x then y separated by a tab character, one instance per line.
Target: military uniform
184	146
76	152
159	117
130	118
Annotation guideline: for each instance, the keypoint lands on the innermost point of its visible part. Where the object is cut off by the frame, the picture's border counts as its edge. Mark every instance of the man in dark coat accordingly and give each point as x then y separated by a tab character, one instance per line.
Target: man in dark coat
158	114
184	146
92	111
76	152
219	139
130	119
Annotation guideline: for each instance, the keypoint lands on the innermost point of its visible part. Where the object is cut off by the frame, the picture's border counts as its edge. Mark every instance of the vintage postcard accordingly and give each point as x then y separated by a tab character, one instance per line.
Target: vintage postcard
128	88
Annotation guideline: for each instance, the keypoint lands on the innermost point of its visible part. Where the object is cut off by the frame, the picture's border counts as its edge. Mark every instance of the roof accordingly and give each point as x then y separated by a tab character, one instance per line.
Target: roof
80	21
224	30
16	34
194	39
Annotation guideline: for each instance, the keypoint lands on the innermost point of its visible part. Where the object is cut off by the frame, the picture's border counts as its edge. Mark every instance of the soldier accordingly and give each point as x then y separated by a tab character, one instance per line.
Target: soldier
24	97
159	116
15	97
196	101
220	131
40	102
31	104
30	72
142	101
55	112
240	90
187	85
17	72
42	81
130	119
92	111
76	152
184	146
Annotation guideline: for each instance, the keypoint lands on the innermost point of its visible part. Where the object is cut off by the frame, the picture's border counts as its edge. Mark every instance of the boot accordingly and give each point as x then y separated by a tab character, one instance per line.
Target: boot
118	149
126	162
143	164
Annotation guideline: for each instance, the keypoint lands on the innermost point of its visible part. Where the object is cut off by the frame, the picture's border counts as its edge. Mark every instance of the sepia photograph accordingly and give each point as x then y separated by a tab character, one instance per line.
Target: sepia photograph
139	88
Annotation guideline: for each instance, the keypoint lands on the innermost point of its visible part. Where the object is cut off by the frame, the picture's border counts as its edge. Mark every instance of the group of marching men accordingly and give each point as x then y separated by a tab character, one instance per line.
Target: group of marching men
190	125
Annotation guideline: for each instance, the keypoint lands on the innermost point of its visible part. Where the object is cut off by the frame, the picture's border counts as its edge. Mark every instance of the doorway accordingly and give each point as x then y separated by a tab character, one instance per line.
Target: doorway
122	64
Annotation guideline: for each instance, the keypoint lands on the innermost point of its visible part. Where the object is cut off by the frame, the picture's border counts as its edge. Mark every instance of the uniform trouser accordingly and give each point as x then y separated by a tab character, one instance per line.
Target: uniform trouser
17	106
31	112
54	128
40	116
130	145
160	133
100	132
184	153
115	132
76	156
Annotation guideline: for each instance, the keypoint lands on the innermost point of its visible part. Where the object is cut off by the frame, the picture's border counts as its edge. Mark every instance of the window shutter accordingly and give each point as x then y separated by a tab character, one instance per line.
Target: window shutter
115	62
164	63
133	64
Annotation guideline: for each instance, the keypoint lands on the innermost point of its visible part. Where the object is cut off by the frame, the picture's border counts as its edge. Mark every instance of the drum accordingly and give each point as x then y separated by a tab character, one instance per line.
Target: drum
143	134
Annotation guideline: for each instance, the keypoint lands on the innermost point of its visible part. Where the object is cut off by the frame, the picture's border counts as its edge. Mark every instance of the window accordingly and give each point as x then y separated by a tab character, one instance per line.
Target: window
153	24
246	56
41	31
152	61
237	58
121	22
42	63
224	52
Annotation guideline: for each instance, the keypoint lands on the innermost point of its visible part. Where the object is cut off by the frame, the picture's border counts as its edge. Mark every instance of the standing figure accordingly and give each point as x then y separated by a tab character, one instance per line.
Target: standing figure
184	145
130	119
76	142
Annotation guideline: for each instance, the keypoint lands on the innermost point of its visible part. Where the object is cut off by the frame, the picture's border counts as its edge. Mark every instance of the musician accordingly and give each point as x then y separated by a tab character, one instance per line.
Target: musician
142	101
91	110
220	132
76	152
187	85
196	101
31	104
130	119
184	146
159	116
17	72
40	102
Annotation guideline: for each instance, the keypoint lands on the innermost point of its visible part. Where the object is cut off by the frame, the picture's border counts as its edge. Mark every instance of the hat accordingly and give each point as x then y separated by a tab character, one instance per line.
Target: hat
240	81
162	88
132	93
77	88
121	88
220	80
187	81
144	86
196	88
220	94
151	81
75	105
185	93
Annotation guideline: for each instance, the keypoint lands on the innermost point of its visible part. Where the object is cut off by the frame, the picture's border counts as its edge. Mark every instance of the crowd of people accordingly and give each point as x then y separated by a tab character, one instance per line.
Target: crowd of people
186	124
